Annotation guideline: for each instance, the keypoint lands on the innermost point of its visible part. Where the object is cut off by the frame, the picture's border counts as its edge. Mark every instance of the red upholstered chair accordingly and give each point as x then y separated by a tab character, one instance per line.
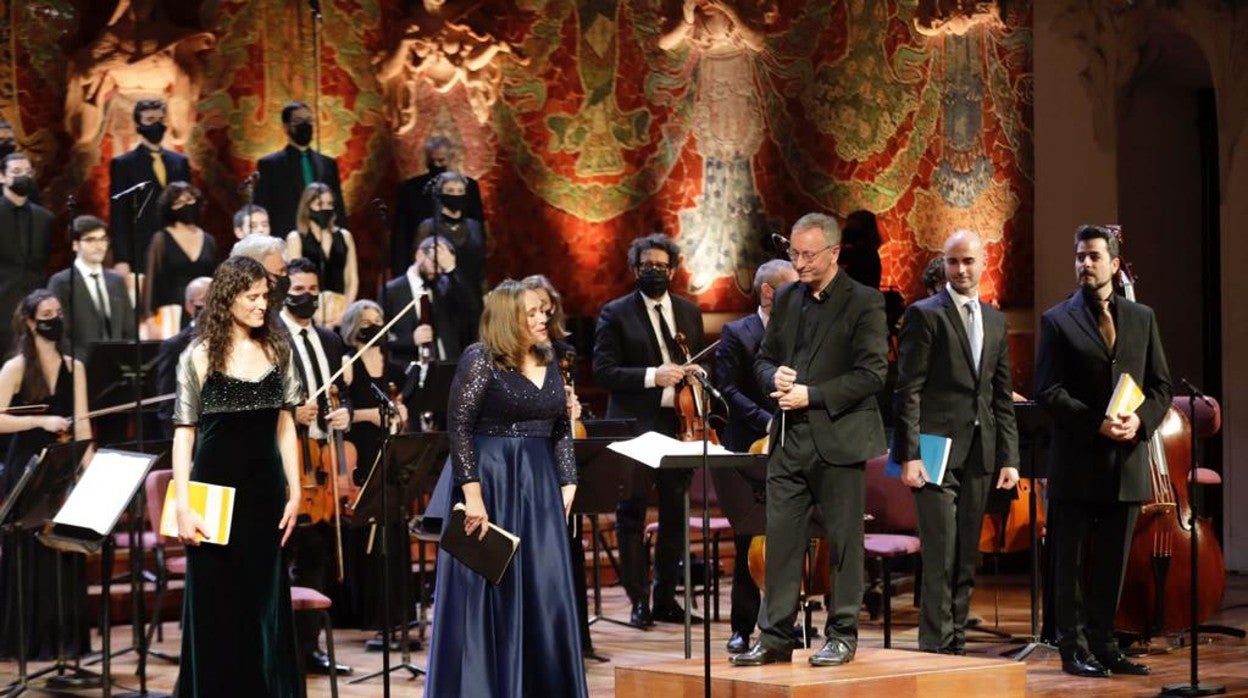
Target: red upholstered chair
891	506
307	600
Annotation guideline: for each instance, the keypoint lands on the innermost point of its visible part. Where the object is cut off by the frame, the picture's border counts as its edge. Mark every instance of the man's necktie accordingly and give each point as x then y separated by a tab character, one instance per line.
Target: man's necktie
1105	323
322	402
673	350
158	168
305	161
974	331
101	306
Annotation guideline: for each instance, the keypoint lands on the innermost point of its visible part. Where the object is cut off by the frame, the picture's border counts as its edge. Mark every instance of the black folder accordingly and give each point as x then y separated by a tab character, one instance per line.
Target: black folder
488	557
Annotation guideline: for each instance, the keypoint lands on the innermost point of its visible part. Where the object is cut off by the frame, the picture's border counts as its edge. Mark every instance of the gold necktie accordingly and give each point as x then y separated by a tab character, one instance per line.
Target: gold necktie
1105	323
158	167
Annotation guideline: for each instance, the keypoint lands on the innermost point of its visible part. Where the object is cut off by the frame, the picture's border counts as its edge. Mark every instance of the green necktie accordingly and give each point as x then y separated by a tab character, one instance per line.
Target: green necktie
305	160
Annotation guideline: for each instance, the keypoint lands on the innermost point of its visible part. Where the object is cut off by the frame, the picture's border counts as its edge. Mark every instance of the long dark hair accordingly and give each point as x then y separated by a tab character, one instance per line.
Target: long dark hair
35	386
232	279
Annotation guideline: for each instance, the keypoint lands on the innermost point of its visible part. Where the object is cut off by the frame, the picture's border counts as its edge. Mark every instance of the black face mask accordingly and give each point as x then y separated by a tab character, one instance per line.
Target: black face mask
653	284
435	170
454	202
322	217
303	305
188	214
7	146
301	134
152	133
22	185
52	329
366	334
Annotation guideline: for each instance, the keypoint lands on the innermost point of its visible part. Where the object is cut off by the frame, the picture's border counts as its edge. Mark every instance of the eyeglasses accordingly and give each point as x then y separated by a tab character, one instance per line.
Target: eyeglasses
797	256
651	266
94	239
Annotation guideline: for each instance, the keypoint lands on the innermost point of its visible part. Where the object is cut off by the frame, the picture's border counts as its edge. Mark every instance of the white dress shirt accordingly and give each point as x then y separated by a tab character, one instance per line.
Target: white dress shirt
669	393
100	302
305	363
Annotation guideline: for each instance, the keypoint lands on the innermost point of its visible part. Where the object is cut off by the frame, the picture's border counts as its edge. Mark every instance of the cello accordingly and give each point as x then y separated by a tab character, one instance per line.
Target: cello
1157	587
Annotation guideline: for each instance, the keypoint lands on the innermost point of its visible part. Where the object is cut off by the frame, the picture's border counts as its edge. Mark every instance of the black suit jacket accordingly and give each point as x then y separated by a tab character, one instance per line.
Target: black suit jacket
848	363
335	351
22	269
414	204
281	184
83	321
455	318
940	391
750	407
125	171
167	373
1075	378
625	345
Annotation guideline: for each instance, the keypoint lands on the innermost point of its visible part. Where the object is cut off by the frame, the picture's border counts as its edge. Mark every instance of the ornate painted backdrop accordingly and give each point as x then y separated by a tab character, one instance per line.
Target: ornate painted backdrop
588	122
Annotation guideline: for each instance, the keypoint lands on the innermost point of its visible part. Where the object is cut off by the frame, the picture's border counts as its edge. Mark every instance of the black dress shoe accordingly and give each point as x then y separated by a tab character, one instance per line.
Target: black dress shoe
1118	663
759	655
1085	665
672	613
738	643
640	617
835	652
318	663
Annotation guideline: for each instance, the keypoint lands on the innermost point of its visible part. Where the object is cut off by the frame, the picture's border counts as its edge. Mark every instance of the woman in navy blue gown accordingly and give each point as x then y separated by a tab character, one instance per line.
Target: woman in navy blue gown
512	465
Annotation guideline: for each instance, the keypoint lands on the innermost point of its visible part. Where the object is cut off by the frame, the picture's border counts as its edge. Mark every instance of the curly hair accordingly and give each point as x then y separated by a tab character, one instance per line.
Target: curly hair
233	277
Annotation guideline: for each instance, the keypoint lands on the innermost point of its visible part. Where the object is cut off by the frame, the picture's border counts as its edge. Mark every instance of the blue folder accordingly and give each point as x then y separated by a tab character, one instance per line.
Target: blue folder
934	450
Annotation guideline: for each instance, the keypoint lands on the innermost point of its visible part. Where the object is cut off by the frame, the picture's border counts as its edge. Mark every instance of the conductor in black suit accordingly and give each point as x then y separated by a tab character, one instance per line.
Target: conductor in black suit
1099	465
751	410
284	174
414	202
637	359
453	314
25	240
148	162
953	379
100	307
824	356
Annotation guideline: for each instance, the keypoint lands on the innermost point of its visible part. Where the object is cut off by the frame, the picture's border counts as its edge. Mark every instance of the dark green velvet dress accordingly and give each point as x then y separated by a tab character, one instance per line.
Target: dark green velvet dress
238	635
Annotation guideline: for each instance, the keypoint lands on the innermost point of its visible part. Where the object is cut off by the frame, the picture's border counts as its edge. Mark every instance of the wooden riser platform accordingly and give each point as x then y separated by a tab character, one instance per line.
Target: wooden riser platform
874	673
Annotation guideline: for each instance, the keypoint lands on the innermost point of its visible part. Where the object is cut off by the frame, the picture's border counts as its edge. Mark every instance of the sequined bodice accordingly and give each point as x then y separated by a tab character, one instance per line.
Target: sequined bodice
225	393
487	400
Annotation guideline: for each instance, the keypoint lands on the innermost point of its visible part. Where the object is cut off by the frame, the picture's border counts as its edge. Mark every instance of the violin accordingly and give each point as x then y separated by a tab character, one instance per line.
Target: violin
318	486
691	403
346	456
567	367
1157	585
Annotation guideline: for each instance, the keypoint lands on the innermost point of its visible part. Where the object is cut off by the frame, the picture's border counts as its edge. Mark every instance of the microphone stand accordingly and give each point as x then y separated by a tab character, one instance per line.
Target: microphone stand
703	408
1193	688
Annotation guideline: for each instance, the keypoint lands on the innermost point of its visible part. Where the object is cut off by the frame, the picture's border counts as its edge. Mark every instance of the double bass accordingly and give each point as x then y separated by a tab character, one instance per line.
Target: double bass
1157	587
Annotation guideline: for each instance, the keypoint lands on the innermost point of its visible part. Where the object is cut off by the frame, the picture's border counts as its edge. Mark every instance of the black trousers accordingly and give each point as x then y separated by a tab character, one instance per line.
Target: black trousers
797	479
950	517
745	594
1089	546
310	552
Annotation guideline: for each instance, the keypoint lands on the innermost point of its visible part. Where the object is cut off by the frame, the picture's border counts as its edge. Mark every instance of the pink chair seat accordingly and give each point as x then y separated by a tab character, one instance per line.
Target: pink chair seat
890	545
150	539
176	565
306	599
1205	476
719	524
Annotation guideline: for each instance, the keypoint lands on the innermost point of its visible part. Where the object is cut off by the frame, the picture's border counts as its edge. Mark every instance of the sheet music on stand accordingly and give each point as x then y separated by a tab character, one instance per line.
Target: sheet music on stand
98	499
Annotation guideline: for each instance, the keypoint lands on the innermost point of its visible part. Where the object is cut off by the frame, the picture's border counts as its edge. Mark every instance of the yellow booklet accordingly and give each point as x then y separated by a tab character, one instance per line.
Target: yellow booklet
215	503
1127	397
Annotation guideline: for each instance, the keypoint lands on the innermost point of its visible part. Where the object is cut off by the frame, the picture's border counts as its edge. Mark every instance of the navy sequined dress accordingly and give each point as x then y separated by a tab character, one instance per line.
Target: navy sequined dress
238	634
519	638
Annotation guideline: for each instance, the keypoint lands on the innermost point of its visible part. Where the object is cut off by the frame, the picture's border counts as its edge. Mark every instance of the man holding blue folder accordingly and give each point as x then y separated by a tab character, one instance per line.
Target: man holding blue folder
955	433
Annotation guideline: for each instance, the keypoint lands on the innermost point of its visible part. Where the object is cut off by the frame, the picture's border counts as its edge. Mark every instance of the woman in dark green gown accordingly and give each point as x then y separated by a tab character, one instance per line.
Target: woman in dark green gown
236	392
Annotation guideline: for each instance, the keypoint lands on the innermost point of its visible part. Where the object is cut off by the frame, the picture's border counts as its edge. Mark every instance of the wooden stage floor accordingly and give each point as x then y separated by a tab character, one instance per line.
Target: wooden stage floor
1223	660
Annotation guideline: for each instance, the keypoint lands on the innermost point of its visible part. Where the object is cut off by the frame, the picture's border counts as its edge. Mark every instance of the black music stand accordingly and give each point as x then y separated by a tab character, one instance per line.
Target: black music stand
602	475
733	460
409	465
1035	427
38	494
111	370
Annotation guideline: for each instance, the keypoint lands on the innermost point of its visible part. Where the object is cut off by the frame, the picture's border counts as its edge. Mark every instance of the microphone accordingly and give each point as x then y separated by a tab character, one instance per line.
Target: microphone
132	190
385	399
249	181
706	384
1195	392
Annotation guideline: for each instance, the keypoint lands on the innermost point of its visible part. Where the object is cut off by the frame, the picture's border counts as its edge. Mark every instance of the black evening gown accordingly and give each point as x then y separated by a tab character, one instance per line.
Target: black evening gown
174	271
519	638
333	267
39	562
238	633
366	598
